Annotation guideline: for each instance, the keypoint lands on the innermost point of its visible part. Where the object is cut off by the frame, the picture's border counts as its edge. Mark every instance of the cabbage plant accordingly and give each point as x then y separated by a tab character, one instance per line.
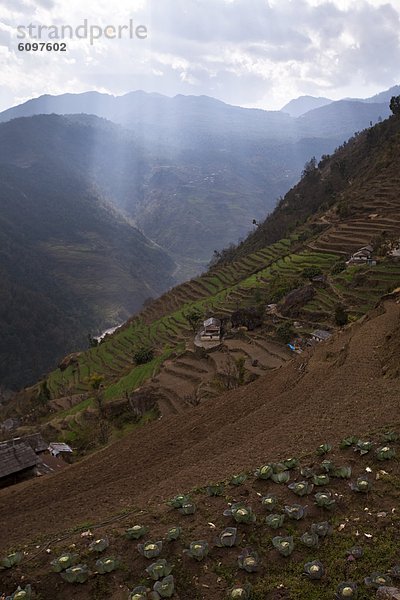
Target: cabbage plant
362	484
150	549
274	521
342	472
159	569
64	561
327	466
238	479
215	490
349	441
385	453
140	593
241	513
178	501
249	561
76	574
174	533
363	447
99	545
296	511
321	479
325	500
355	552
269	502
390	436
11	560
291	463
264	472
166	587
314	570
21	594
347	589
307	472
309	539
198	550
240	592
189	508
281	477
136	532
321	529
106	565
227	538
377	580
324	449
279	467
301	488
284	545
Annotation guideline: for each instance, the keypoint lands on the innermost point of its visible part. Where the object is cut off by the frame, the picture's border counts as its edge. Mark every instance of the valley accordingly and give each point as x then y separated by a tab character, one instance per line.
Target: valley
300	388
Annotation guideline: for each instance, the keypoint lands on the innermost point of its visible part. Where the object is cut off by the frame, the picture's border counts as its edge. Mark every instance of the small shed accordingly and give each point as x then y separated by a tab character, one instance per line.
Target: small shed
16	460
321	335
56	448
211	330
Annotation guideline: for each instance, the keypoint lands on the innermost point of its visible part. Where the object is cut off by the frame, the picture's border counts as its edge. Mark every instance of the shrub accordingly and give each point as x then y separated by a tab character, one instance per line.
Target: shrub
143	355
285	332
341	316
310	272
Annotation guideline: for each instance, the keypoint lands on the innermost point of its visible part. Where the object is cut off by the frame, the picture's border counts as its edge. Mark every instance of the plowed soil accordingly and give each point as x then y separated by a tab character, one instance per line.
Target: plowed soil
343	388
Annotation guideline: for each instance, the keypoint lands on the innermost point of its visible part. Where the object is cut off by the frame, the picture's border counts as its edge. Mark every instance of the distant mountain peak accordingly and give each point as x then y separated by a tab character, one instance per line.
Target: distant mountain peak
299	106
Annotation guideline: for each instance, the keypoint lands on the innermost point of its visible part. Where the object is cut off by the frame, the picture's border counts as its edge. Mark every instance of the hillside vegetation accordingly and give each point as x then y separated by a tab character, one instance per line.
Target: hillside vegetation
349	201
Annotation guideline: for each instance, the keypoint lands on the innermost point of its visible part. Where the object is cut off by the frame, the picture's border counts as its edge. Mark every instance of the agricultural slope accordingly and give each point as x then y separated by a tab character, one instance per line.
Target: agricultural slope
350	200
344	388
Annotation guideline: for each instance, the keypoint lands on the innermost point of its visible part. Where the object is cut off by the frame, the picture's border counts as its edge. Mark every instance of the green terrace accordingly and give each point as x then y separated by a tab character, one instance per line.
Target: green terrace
164	325
233	287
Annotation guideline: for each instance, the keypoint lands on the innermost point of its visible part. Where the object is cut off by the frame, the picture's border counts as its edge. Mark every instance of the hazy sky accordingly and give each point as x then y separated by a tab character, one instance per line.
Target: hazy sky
248	52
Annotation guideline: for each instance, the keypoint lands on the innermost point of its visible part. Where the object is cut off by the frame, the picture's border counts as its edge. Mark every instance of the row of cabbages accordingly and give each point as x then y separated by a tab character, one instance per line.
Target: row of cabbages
160	571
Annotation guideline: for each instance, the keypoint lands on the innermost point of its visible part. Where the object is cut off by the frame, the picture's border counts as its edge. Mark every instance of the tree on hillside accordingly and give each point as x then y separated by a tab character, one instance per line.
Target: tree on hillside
195	317
310	167
341	316
395	105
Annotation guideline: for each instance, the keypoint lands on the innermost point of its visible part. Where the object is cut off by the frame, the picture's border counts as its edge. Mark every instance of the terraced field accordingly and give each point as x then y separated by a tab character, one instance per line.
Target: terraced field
164	325
377	208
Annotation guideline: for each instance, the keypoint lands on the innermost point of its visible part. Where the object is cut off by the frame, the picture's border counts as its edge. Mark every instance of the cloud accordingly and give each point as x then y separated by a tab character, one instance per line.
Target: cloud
250	52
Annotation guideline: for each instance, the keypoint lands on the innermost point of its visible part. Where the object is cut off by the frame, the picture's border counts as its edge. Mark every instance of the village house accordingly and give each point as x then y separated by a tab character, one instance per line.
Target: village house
320	335
363	256
211	330
17	462
57	448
